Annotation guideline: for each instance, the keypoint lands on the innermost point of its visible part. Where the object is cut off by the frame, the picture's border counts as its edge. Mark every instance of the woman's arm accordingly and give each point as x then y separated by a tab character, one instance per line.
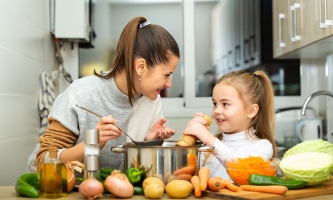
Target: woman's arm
59	136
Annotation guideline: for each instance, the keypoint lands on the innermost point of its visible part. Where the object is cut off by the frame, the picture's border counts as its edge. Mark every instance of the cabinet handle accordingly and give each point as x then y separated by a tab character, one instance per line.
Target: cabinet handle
326	22
281	16
293	22
229	60
246	50
252	47
237	55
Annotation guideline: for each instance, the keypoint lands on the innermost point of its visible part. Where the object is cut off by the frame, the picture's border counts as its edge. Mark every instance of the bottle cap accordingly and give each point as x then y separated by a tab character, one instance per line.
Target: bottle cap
53	152
91	137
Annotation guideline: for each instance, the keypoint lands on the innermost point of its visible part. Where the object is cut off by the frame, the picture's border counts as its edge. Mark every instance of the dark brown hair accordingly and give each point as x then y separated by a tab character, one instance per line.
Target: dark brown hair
151	42
256	88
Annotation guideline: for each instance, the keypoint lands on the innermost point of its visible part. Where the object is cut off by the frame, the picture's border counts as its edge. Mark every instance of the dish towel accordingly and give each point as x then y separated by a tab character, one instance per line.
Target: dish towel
46	99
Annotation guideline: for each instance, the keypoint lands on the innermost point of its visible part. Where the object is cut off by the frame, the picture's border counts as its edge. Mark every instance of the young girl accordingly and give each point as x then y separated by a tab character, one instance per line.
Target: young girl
244	113
127	94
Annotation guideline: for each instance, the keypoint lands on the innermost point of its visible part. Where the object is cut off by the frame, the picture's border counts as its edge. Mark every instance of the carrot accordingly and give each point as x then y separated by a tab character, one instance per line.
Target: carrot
273	189
216	183
203	174
135	163
195	180
186	177
240	171
192	159
231	186
185	170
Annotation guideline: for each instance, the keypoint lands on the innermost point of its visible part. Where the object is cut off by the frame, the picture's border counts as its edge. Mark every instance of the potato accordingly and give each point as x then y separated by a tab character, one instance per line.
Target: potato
152	181
154	191
178	188
166	177
171	178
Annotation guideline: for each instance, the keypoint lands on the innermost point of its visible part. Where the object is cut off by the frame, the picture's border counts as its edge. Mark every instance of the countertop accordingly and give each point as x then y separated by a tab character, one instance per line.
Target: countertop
8	192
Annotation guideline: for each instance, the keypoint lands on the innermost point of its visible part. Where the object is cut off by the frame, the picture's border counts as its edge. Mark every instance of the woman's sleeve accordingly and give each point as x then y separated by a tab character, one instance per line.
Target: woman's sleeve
55	135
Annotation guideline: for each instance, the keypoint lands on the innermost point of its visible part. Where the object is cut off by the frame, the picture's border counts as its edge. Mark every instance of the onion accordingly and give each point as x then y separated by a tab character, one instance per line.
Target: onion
91	188
71	179
119	185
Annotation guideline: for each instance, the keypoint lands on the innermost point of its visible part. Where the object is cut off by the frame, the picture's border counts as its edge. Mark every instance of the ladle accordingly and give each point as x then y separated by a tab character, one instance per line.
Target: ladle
157	142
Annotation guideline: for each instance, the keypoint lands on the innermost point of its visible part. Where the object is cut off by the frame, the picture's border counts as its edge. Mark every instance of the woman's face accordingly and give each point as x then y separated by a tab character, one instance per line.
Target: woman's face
155	79
229	112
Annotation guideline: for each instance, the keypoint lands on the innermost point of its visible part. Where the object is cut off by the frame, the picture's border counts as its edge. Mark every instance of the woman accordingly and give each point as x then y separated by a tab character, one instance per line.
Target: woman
127	94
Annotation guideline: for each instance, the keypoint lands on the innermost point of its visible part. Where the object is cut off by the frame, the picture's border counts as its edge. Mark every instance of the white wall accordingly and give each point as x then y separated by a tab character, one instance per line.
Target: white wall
26	50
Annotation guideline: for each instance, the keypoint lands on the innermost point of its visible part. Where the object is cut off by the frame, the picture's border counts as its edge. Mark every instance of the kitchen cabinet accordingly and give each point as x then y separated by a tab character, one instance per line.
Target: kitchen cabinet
299	26
235	35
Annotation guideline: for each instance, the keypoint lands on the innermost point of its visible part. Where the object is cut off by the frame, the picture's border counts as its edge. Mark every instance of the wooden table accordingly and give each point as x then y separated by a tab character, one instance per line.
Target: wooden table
8	192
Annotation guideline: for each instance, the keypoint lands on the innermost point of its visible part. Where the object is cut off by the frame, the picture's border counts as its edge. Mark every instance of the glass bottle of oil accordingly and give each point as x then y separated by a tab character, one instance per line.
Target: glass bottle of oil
53	177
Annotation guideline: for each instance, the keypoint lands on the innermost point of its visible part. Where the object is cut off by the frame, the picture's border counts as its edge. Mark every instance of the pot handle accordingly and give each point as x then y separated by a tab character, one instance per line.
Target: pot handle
206	149
118	149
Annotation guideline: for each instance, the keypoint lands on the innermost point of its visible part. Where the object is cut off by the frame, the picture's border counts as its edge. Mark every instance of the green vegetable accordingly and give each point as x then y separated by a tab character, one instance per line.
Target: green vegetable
106	170
144	172
134	175
27	185
138	190
313	167
103	176
310	146
256	179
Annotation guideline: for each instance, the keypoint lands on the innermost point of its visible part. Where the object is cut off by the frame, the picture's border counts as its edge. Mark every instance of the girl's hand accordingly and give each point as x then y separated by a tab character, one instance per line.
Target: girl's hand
159	131
197	128
107	131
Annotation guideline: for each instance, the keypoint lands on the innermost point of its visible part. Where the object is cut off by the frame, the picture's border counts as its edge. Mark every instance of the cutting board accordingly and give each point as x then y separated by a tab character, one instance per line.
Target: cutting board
324	189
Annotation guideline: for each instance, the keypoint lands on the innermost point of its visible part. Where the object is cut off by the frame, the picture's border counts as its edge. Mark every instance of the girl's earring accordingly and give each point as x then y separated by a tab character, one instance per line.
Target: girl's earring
139	78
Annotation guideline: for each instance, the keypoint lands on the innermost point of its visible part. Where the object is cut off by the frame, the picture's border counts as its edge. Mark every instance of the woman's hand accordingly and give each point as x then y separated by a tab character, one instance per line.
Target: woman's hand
107	131
159	131
197	128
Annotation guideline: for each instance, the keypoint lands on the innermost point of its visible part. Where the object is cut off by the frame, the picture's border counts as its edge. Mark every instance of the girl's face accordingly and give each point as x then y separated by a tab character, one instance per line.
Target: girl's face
155	79
229	112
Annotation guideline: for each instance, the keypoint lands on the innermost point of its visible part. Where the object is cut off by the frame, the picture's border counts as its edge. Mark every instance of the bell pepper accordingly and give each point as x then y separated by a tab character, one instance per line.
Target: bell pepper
27	185
144	172
134	175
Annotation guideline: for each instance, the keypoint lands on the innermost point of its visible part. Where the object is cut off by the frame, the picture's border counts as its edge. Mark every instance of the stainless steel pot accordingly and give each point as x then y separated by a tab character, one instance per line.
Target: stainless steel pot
164	160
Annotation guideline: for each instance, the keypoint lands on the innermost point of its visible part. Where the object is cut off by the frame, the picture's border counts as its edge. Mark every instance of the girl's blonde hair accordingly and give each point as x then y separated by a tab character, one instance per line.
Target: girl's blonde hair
255	88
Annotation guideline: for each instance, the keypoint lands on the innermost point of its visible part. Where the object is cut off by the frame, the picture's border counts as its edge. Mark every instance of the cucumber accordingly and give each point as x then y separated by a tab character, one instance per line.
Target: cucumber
256	179
138	190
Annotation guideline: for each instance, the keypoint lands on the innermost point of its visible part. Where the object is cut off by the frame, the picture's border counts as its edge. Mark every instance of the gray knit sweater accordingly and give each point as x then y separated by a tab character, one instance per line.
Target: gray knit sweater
103	97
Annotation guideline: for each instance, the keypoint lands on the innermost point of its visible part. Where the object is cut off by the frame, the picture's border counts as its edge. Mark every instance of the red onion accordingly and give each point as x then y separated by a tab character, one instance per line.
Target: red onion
91	188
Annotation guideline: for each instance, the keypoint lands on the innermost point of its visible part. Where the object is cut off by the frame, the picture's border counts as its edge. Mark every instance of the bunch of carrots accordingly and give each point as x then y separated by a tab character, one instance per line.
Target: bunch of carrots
202	181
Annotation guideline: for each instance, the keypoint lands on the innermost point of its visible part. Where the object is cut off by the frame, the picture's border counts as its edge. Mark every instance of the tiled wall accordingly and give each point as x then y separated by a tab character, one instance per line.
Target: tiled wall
26	49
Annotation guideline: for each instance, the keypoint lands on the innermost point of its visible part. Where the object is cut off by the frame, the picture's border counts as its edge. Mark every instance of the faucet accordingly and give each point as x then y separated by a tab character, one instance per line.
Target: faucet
323	92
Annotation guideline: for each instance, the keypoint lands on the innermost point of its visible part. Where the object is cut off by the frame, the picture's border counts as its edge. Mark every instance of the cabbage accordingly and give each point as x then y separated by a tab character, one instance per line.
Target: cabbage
311	146
313	167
